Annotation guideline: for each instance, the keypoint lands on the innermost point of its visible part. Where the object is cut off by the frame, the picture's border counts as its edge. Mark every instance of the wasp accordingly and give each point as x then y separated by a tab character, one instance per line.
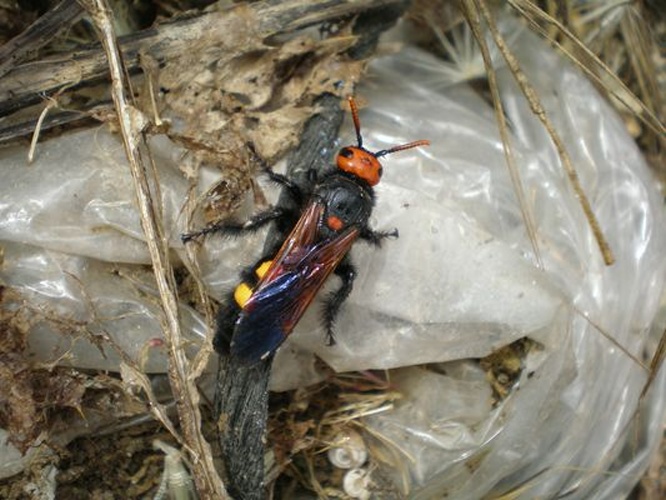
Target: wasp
333	214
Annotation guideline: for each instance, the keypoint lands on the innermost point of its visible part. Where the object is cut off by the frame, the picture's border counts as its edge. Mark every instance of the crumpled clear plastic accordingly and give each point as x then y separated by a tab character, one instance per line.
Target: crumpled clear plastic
573	425
459	282
75	298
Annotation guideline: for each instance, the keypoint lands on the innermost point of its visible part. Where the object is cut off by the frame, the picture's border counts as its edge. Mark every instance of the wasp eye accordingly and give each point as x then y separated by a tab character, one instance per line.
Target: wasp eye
346	152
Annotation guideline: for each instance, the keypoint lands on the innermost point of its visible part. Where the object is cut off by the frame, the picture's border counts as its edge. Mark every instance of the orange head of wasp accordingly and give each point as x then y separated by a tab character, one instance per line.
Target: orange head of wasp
362	163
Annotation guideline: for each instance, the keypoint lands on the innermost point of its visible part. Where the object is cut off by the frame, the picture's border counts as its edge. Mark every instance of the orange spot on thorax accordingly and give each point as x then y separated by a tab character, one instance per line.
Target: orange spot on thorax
335	223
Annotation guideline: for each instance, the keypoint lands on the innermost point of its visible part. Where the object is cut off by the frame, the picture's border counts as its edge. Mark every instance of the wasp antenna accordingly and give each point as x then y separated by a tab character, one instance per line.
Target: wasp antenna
402	147
357	122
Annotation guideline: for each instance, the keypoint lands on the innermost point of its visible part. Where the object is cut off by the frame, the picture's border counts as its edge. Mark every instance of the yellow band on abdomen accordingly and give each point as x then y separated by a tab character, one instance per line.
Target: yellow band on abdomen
242	294
263	268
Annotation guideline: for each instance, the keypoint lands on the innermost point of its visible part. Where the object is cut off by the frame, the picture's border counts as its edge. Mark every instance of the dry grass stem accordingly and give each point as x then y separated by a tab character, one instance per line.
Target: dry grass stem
50	104
596	67
471	16
611	339
655	364
537	108
132	123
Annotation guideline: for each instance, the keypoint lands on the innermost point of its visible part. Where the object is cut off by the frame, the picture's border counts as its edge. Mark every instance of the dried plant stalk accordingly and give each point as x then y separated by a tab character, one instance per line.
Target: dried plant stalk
539	111
41	32
534	15
132	123
474	22
227	30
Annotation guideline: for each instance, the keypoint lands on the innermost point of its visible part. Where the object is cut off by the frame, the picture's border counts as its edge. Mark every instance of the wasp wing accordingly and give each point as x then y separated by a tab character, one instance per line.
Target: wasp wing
299	241
258	331
289	286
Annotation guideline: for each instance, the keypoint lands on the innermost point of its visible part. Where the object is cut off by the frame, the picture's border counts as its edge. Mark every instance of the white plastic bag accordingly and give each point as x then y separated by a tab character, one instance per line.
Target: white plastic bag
460	281
571	425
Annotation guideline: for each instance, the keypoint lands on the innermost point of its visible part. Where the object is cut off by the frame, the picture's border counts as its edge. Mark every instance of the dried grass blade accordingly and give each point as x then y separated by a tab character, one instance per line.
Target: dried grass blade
539	111
639	47
655	364
592	66
472	17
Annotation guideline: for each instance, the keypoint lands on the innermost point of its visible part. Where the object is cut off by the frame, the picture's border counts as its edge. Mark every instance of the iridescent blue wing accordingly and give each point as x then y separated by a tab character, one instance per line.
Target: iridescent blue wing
297	273
259	330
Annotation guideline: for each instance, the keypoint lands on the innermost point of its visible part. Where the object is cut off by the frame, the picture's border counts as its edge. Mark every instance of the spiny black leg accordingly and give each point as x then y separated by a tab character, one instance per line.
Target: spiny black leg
347	274
294	189
231	229
312	175
376	237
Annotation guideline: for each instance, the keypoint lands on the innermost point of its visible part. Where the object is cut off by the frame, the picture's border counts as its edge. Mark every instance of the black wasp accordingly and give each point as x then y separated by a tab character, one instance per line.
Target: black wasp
275	292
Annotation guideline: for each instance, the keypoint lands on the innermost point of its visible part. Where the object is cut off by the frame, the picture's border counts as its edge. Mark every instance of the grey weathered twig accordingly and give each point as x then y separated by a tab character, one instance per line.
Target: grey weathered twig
41	32
228	30
241	401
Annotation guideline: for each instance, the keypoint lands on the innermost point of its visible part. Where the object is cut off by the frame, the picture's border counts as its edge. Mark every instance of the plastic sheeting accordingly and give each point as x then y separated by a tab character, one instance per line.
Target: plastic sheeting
572	425
460	281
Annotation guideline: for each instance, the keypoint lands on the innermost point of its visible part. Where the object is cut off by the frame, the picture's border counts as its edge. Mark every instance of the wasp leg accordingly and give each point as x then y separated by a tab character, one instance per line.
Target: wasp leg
312	176
294	189
253	224
347	273
375	237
